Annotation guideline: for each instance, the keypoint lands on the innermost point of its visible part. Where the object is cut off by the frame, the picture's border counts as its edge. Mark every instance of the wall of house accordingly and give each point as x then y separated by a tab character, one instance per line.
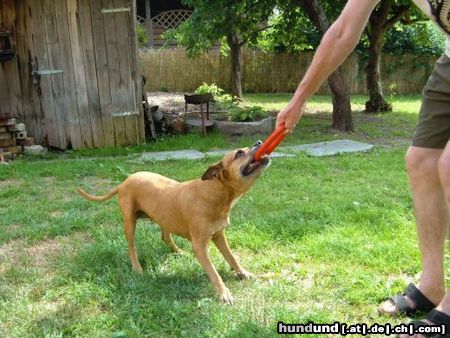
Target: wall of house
85	91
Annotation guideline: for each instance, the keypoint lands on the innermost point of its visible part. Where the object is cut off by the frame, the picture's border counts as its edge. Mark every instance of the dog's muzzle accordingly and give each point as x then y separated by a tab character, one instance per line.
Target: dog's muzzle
251	166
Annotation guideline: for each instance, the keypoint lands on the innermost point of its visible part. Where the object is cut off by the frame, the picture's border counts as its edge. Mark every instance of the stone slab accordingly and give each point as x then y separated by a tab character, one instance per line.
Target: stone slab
330	148
171	155
264	126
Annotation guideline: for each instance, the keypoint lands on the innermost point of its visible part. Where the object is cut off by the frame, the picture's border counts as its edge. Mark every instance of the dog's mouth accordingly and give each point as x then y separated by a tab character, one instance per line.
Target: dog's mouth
251	167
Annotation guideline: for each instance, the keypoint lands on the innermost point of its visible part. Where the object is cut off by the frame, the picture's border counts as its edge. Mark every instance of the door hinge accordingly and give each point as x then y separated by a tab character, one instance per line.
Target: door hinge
46	72
124	114
115	10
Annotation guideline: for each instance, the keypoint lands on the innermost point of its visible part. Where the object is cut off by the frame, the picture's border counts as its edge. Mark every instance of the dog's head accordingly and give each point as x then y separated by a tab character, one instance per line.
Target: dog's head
238	168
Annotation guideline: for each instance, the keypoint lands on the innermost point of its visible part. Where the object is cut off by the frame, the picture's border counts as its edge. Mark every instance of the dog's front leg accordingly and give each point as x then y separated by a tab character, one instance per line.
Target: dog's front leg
200	246
220	240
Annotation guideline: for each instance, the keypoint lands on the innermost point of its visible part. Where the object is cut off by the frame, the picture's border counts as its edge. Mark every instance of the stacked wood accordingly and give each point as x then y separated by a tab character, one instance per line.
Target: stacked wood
13	136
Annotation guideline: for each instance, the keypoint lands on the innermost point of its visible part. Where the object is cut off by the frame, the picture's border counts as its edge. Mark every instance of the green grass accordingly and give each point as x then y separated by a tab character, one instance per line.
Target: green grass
327	238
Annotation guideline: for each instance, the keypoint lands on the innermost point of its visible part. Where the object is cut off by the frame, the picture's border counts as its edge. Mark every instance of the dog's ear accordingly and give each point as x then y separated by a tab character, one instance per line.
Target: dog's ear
214	171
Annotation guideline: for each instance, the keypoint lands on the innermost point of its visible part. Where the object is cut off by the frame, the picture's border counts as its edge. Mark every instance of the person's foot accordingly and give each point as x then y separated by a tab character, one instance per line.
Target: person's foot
414	300
437	318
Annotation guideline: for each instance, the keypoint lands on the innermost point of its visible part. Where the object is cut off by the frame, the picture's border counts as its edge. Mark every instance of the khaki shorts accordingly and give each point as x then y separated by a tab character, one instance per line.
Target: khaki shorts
433	130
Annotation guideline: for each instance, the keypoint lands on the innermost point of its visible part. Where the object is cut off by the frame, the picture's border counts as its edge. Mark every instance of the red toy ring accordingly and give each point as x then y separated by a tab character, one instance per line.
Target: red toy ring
271	142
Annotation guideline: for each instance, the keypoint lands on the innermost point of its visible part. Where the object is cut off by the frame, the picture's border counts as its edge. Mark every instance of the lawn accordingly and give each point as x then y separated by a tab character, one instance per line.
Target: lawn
327	238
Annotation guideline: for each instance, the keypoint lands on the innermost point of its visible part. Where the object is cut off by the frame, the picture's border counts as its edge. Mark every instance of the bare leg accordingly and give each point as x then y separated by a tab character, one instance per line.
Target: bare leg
167	238
432	220
220	241
200	246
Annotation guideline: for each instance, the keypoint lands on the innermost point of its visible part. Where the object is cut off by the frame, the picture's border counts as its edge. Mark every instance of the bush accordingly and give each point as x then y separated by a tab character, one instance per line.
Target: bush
142	35
212	89
247	114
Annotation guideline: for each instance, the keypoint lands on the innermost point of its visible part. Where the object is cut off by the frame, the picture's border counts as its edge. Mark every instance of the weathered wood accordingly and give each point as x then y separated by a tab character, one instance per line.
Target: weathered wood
136	75
34	92
7	143
73	130
43	86
126	85
114	73
101	61
7	16
97	74
29	141
7	115
56	80
6	136
8	122
23	61
79	71
14	150
85	21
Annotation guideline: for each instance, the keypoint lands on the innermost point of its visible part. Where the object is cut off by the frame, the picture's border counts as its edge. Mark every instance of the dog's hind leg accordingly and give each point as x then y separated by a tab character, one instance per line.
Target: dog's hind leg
167	238
129	223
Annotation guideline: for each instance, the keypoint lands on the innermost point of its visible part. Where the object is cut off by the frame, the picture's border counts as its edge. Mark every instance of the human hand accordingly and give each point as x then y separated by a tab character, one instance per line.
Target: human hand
290	116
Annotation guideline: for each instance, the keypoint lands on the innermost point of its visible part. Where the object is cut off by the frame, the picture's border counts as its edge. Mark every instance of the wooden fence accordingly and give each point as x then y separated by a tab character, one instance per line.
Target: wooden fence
172	70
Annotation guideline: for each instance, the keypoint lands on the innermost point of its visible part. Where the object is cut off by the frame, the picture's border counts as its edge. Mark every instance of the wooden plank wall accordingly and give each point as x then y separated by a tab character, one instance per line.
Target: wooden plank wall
95	101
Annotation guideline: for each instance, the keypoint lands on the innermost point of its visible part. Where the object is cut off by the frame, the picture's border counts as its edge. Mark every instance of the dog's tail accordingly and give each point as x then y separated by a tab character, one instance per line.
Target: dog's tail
98	198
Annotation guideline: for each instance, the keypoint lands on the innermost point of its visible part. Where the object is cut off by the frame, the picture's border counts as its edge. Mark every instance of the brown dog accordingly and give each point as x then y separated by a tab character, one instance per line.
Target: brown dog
197	210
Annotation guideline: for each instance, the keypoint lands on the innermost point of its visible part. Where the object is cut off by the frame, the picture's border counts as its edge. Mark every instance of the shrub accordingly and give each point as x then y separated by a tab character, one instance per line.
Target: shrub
247	114
142	35
212	89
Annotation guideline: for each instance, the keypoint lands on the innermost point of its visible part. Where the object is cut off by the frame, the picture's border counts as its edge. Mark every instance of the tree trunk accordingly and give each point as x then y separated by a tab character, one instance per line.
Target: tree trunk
342	110
236	65
148	24
377	25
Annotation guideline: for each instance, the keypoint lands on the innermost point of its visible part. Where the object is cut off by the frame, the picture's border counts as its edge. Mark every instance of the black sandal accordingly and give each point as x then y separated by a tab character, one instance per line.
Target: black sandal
421	303
435	318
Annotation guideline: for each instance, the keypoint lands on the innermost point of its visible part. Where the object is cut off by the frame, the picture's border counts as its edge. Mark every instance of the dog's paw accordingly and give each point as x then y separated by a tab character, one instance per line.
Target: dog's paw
138	269
244	274
225	296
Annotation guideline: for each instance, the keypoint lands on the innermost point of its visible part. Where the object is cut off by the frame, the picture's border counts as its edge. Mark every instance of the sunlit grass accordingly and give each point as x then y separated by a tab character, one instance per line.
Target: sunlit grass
327	238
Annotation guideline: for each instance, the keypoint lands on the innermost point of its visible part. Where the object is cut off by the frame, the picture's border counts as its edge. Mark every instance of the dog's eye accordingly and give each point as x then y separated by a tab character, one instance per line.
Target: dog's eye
239	154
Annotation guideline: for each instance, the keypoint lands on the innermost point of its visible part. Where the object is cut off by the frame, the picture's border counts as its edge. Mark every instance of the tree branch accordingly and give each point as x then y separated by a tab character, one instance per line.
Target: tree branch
401	12
244	41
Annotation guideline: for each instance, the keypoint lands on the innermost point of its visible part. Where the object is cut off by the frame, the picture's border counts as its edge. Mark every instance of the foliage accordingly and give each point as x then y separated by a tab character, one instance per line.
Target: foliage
212	21
247	114
212	89
289	31
142	35
421	38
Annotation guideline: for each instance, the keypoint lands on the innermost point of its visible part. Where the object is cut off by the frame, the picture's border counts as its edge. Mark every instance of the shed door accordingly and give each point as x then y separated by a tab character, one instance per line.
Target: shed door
84	72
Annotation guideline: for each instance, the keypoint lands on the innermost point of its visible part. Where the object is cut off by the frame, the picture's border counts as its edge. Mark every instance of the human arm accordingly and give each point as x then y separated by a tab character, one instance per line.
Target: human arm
336	45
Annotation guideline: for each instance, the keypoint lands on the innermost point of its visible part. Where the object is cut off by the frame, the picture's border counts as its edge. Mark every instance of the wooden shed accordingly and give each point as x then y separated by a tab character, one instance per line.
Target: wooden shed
71	72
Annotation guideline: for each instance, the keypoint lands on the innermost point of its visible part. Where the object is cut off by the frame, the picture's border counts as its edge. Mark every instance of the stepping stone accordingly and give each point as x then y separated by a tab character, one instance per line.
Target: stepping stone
223	152
171	155
330	148
217	152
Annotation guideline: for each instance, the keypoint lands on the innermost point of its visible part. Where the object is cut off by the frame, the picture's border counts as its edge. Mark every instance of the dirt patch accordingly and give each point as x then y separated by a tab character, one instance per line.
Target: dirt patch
97	184
167	102
9	182
40	254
